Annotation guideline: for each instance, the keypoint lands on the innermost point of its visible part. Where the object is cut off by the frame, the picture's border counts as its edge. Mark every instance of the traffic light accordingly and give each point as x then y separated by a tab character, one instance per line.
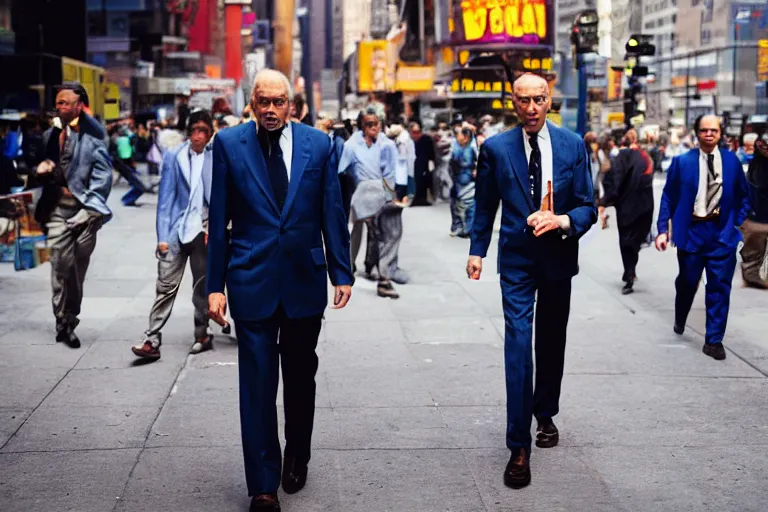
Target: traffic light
640	45
584	36
632	102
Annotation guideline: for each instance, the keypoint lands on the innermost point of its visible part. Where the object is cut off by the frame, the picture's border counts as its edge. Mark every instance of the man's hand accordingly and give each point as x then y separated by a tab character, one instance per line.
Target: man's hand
162	248
544	221
662	241
45	167
217	308
474	267
341	296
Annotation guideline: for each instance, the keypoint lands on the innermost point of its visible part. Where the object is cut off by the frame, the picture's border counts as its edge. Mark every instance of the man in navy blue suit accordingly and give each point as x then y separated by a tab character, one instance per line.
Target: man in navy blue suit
276	182
538	252
707	200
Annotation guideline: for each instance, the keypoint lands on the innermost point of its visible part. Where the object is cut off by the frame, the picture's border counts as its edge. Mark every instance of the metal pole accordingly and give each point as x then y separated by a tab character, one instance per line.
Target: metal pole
422	38
687	88
581	122
306	61
735	54
329	34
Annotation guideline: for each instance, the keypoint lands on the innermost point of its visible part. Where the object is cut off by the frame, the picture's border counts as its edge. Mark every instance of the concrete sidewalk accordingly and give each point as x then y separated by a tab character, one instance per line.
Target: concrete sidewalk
410	397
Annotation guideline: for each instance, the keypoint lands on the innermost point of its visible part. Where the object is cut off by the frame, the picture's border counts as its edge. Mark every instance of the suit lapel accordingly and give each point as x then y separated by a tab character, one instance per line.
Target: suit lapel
299	159
519	162
256	164
182	158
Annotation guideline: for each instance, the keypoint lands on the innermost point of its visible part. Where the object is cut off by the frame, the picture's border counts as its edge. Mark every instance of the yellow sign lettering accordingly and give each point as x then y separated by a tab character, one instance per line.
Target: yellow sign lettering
512	18
496	15
475	22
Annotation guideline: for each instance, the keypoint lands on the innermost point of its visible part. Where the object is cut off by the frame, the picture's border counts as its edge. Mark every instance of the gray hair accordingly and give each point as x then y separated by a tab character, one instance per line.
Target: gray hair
750	138
267	75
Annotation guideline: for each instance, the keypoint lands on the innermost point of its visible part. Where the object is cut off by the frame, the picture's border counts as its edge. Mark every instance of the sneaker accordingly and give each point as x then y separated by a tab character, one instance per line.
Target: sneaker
386	290
714	350
147	350
202	345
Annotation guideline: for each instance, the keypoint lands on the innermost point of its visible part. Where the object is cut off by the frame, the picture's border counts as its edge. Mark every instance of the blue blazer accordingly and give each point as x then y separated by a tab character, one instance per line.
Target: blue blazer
502	176
173	197
270	258
679	197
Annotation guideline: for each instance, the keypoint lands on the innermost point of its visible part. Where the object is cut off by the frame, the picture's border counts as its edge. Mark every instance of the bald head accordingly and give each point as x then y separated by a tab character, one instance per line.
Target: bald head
532	101
708	132
271	99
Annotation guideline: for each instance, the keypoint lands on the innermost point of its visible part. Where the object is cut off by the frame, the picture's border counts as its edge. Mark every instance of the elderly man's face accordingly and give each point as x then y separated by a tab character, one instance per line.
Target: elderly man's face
371	127
270	104
532	102
709	133
68	106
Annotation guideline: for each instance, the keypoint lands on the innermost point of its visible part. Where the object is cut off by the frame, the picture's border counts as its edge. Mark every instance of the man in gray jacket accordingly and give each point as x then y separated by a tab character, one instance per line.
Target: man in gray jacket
76	176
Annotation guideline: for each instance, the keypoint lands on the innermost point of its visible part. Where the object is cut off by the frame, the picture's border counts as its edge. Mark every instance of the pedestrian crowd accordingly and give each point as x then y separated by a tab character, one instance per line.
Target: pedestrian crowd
267	210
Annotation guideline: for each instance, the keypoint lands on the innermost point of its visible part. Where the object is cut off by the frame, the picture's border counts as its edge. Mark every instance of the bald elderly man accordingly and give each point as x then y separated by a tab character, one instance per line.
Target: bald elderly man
276	182
705	201
538	255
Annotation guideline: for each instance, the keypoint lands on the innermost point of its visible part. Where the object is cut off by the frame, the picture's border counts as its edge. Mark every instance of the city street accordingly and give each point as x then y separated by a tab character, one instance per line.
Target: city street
410	404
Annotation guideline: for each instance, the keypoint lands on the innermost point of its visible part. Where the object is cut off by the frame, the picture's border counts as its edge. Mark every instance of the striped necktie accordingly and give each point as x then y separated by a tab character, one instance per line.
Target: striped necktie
714	188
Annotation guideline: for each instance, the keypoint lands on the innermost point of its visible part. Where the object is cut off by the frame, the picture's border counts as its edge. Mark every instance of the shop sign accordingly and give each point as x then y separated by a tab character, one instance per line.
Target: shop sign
524	22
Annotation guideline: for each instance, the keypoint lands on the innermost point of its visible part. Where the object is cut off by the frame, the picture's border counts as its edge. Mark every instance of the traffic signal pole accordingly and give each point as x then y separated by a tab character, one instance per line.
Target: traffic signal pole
581	120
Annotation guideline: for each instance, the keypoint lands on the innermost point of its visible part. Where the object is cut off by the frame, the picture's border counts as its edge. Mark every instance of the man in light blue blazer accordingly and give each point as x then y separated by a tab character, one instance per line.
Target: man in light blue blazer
538	256
706	198
276	182
76	177
182	219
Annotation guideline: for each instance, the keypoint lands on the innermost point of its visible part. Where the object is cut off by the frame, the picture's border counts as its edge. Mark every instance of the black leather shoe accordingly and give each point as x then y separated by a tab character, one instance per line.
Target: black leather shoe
294	475
68	337
679	329
714	350
547	435
264	502
518	472
628	288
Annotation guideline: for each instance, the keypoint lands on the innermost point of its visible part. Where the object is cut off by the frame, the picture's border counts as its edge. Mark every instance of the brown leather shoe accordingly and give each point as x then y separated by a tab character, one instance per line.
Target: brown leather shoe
265	502
518	472
294	475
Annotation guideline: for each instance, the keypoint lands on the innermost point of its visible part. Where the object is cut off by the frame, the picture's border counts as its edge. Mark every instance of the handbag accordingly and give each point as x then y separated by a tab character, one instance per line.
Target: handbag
764	266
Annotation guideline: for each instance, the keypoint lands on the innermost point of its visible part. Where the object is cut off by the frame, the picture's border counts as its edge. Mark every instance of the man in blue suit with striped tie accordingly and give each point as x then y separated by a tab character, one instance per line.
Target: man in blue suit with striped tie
276	182
706	199
538	255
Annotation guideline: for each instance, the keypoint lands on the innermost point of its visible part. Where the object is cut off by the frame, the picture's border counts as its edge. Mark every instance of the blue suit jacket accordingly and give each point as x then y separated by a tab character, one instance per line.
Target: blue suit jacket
679	197
271	258
502	176
173	197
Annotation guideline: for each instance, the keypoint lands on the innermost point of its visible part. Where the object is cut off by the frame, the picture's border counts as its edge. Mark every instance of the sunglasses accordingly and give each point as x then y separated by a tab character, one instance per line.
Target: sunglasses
371	124
526	100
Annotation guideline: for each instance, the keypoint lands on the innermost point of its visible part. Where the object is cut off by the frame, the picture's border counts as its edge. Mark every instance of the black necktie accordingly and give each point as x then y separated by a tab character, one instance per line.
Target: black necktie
711	166
273	155
534	170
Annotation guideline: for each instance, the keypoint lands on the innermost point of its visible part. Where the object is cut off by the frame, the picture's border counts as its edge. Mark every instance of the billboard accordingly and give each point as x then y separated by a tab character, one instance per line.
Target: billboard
510	22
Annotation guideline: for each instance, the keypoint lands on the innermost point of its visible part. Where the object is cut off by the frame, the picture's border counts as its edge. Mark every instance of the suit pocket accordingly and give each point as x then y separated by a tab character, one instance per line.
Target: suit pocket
318	258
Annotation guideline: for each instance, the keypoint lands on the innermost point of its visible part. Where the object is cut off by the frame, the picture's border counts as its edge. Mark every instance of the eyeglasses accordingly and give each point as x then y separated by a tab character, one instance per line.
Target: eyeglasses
263	102
526	100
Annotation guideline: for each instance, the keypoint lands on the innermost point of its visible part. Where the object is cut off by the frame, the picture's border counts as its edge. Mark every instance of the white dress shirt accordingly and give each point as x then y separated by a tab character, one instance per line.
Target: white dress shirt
286	144
545	147
196	212
547	168
700	206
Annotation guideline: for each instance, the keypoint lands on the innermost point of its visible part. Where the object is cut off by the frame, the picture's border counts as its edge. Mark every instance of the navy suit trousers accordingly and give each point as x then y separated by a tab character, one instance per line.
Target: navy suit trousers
258	354
720	263
552	311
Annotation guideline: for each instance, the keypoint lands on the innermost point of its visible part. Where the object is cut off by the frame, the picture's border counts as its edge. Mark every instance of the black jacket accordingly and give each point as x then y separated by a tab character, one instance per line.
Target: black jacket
629	185
757	177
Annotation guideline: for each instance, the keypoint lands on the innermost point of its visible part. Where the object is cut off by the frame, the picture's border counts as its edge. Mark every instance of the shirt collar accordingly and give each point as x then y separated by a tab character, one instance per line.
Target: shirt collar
543	133
715	152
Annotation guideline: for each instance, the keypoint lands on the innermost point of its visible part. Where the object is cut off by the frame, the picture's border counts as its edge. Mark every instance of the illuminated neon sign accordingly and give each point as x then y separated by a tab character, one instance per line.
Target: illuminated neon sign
524	22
